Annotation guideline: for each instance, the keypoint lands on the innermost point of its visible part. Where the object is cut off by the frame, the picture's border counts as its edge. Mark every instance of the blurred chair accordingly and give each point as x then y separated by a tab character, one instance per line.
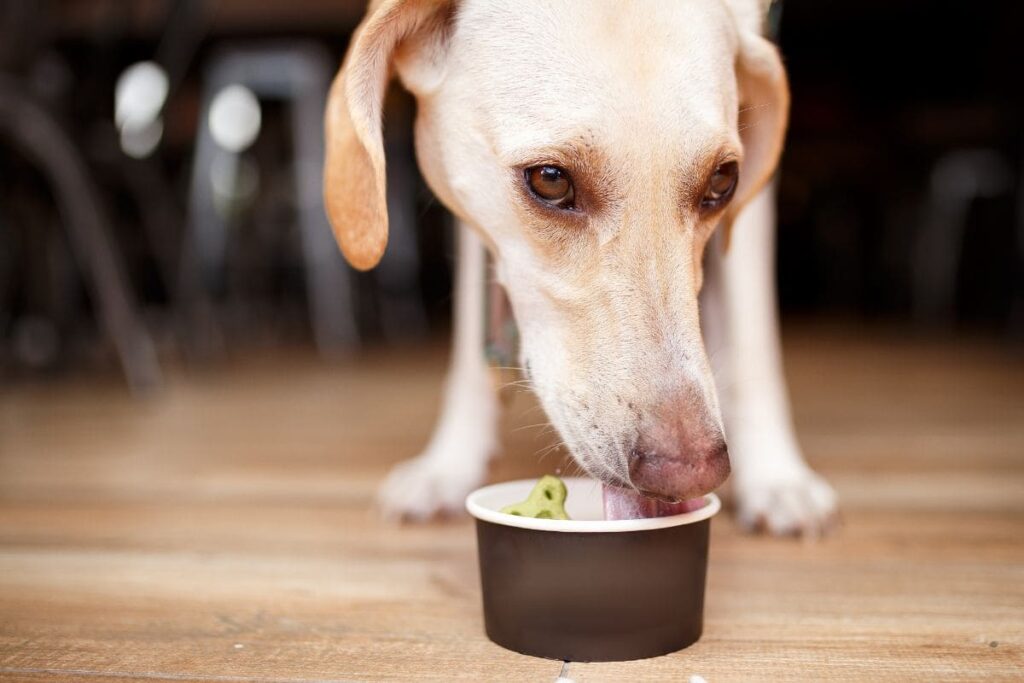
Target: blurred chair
1017	301
957	179
300	75
400	309
32	127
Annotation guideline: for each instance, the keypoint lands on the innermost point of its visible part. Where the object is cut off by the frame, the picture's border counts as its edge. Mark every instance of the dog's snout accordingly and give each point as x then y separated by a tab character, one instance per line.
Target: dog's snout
675	470
681	451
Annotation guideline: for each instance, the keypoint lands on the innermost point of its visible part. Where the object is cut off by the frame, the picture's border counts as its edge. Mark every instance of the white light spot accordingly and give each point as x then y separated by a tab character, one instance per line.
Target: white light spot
235	118
139	95
234	181
139	143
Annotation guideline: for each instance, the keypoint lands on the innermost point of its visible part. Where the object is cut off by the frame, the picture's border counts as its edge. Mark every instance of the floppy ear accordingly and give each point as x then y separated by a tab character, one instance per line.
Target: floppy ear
763	115
354	185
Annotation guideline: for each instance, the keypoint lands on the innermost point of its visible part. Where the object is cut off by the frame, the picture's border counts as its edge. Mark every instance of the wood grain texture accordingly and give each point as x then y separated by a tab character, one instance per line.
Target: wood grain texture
225	531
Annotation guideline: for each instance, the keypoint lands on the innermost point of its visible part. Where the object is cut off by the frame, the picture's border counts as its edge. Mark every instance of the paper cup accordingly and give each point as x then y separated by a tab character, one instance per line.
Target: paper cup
586	589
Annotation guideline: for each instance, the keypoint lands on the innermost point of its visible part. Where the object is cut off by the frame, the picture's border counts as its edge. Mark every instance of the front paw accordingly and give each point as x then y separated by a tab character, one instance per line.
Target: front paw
797	503
425	487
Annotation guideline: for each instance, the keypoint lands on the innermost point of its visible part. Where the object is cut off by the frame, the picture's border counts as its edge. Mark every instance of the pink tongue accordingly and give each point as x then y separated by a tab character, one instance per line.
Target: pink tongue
622	503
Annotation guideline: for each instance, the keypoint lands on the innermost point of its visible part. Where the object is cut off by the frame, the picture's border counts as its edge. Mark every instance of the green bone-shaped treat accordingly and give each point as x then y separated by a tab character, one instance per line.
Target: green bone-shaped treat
546	500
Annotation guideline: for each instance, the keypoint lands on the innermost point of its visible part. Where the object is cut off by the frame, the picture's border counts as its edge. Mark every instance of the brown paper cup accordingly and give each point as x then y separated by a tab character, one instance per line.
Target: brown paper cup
587	589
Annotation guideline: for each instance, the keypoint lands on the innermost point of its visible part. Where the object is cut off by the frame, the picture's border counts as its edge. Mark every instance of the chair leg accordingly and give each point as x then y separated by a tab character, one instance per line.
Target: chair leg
957	179
300	77
34	130
201	261
328	279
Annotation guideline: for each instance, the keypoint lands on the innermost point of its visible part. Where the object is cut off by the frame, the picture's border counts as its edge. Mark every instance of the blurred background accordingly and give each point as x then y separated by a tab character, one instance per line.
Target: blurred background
160	196
199	399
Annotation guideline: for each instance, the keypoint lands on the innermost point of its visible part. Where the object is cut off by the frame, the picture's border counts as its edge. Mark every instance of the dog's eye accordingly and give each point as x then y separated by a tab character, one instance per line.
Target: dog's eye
721	185
551	185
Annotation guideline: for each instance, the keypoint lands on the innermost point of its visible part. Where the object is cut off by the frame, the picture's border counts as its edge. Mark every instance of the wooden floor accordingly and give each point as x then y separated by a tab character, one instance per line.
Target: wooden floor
224	530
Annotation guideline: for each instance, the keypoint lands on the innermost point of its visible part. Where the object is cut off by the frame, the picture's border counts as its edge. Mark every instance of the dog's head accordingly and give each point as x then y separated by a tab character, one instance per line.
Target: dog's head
595	147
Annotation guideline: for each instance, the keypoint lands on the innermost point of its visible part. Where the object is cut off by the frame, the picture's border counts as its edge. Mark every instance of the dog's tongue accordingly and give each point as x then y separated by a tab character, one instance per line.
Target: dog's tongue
620	503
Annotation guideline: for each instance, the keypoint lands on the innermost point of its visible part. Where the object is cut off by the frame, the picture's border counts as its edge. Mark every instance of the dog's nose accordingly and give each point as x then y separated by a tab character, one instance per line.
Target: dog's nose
681	452
679	469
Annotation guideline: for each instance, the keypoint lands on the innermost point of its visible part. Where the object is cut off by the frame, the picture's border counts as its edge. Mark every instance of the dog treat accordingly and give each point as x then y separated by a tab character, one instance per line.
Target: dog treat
546	500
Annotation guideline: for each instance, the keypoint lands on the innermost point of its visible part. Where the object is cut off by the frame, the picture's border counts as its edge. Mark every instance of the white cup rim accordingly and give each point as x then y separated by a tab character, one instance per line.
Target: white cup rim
475	507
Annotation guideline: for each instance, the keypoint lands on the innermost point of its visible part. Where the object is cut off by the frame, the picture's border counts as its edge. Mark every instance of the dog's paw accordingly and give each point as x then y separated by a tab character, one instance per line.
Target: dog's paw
421	488
798	504
425	487
454	462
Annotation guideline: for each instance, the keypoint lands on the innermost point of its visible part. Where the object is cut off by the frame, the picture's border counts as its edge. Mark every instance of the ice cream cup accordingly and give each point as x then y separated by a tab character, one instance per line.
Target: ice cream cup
587	589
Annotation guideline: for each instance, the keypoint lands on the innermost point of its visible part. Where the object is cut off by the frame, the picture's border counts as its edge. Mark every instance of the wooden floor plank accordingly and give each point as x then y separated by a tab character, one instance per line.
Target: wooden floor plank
225	530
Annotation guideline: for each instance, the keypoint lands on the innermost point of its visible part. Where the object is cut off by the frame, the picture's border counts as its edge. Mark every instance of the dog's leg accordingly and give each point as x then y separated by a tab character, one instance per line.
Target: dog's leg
455	460
774	487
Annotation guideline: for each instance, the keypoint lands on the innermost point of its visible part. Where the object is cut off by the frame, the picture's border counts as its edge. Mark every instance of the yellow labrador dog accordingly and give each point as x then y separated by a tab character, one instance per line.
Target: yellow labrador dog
596	148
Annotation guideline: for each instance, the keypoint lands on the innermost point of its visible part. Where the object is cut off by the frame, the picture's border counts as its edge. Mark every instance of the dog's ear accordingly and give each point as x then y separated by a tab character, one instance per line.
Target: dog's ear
763	108
411	34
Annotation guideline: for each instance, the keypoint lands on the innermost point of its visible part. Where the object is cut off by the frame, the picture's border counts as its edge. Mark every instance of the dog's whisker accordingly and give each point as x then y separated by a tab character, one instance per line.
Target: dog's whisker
533	426
569	467
546	432
531	410
517	384
543	453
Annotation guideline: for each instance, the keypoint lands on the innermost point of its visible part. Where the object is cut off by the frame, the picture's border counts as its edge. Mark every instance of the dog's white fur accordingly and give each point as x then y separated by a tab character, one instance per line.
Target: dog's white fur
639	101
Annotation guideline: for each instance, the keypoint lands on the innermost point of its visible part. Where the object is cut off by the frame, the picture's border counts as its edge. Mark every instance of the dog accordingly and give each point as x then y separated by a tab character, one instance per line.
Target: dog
615	158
